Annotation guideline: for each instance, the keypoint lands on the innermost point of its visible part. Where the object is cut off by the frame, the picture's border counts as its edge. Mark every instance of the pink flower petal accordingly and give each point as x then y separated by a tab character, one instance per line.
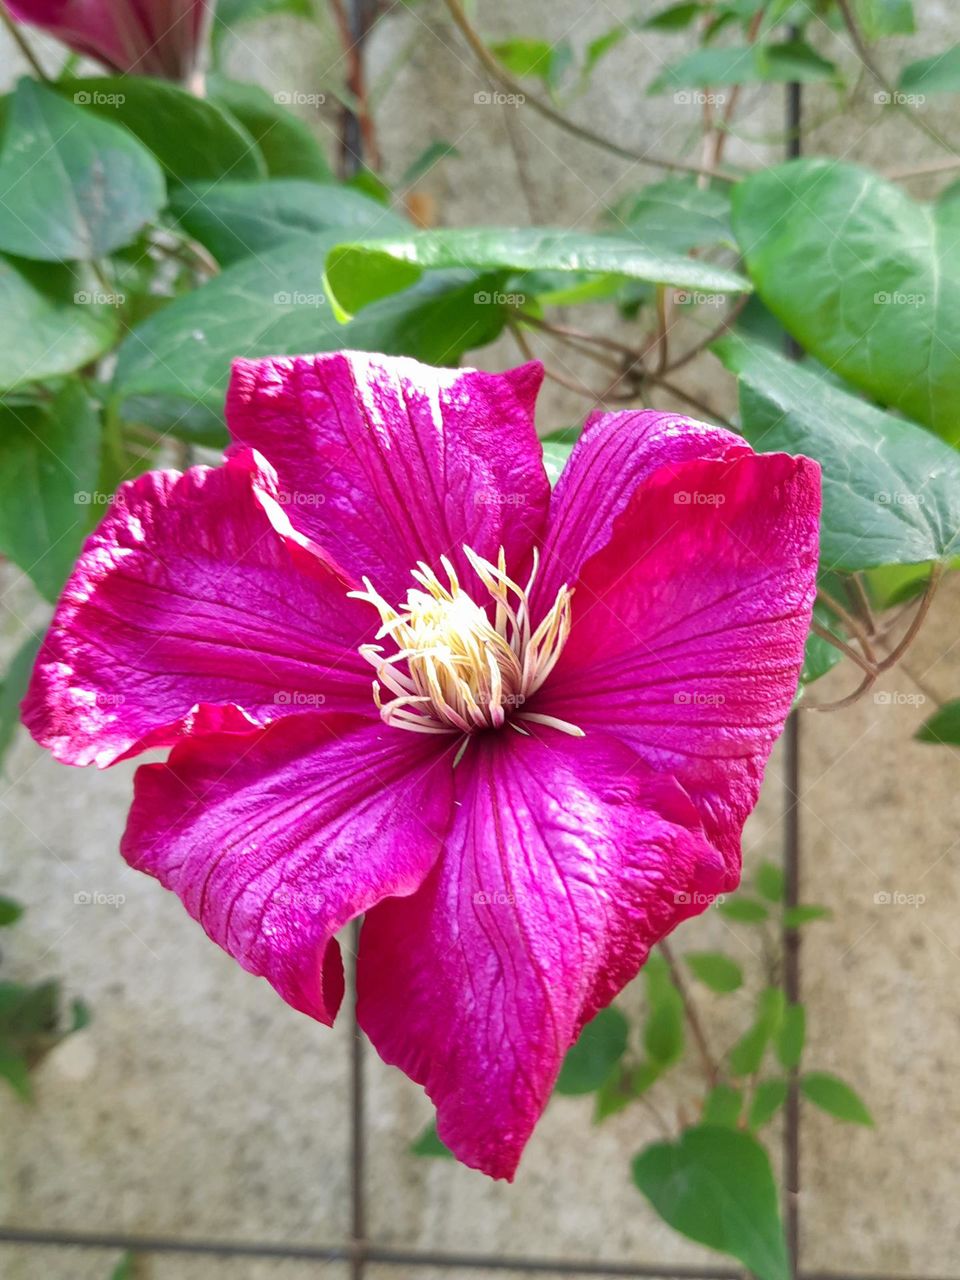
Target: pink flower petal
612	457
389	462
194	606
275	841
145	37
689	627
567	859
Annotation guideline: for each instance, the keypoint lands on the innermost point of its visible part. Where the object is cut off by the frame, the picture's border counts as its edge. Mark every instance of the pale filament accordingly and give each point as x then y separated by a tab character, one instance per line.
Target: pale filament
455	670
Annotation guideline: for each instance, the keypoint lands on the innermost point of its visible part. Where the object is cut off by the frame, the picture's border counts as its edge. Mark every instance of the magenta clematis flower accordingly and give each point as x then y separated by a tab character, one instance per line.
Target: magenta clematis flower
573	697
145	37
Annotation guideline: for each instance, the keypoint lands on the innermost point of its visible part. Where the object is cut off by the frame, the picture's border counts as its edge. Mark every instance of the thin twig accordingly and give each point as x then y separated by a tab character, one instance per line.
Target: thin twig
22	44
850	622
495	68
717	332
843	647
693	1017
926	600
700	405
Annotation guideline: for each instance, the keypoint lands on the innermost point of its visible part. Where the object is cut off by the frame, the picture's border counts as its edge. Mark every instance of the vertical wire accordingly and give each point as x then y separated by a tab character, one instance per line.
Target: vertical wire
791	841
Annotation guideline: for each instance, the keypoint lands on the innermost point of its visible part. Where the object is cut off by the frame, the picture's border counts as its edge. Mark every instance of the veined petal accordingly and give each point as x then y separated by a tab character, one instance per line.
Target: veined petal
194	605
689	626
613	456
390	462
275	841
566	860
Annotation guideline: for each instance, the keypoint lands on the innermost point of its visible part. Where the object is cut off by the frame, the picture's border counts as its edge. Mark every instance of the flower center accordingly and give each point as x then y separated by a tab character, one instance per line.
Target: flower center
455	670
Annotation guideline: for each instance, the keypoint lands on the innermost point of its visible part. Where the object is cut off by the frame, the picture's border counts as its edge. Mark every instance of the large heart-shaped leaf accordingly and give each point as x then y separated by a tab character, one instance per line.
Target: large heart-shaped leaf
274	304
891	490
237	219
867	279
194	139
49	461
362	271
72	186
51	322
289	147
715	1186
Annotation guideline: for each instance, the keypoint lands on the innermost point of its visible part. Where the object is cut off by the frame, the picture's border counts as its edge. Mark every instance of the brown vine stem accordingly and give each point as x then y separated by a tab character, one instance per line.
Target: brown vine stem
22	44
921	170
717	332
866	57
701	406
564	331
846	649
716	140
693	1017
495	68
850	622
356	82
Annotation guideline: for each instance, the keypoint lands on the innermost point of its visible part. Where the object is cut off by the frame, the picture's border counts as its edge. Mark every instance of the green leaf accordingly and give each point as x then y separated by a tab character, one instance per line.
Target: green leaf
794	917
193	139
769	881
541	59
10	912
832	1095
723	1105
429	1144
790	1038
289	147
362	271
715	970
768	1098
43	332
238	219
49	463
557	448
674	18
15	1070
715	1186
676	214
943	726
743	910
178	361
591	1062
864	277
939	74
428	159
13	690
745	64
879	18
598	49
125	1268
75	187
663	1034
891	491
747	1054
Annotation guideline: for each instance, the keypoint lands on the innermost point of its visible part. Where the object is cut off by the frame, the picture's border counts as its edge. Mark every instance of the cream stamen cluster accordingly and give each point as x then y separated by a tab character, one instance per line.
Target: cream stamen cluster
456	669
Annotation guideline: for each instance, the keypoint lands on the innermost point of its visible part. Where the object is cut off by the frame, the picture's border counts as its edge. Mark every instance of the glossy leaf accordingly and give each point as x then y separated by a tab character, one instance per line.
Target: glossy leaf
943	726
769	881
715	1186
10	912
676	17
594	1057
360	272
794	917
172	370
287	144
743	910
747	1054
74	187
891	491
50	322
49	463
723	1105
429	1144
937	74
879	18
863	276
715	970
769	1096
236	220
834	1096
791	1035
676	214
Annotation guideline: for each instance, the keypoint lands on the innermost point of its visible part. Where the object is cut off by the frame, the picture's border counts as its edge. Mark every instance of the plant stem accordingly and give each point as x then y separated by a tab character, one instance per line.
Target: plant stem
499	73
22	44
710	1067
